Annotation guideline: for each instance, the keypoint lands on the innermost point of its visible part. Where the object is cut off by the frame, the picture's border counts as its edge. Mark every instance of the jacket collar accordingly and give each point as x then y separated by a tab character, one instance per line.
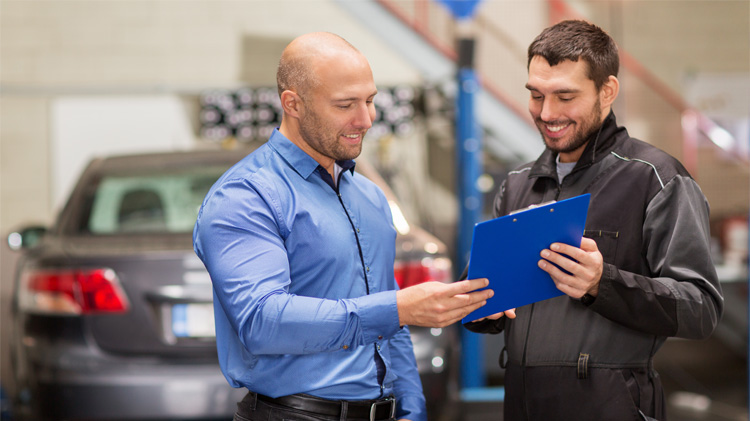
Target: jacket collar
597	147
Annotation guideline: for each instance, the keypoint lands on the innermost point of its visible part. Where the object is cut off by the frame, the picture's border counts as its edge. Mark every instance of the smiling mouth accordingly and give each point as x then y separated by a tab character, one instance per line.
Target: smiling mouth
554	128
353	137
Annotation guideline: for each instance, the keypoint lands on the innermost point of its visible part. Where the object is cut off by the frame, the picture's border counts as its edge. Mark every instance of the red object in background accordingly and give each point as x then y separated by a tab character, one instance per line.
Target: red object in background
413	272
68	291
734	240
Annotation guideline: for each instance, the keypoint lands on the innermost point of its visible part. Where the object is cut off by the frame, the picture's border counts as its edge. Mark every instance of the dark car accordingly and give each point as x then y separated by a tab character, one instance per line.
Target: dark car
113	310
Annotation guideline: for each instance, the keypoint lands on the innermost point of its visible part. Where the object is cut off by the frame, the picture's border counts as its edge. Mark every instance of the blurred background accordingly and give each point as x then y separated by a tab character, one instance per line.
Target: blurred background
86	78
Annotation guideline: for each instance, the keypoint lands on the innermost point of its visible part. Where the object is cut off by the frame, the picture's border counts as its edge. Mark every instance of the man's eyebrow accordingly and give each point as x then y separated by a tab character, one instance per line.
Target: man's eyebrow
354	98
558	91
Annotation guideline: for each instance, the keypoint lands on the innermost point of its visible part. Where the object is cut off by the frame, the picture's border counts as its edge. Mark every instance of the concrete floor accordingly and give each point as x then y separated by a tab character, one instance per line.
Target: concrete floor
704	380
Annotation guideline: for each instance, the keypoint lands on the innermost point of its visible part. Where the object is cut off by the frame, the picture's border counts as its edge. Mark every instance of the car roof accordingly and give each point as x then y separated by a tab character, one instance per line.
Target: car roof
113	163
206	156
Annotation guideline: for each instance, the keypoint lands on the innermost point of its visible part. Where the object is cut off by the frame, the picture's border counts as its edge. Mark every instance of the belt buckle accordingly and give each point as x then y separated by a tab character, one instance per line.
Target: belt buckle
374	407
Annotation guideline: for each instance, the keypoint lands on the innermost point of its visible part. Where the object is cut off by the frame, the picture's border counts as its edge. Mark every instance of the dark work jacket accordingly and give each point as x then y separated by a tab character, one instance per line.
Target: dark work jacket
649	218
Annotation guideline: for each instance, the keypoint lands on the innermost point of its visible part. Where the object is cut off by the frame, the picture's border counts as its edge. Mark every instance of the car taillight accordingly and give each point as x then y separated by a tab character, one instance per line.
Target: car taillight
413	272
72	291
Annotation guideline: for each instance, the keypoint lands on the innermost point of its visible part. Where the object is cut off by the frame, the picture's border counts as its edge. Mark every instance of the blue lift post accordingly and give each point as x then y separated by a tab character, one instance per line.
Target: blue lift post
468	165
468	169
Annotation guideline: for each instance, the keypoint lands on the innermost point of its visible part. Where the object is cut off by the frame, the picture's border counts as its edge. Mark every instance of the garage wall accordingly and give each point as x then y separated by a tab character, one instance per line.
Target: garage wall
56	50
24	159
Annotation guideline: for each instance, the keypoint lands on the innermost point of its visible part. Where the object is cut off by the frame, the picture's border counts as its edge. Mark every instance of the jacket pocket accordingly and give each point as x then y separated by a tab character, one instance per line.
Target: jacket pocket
606	241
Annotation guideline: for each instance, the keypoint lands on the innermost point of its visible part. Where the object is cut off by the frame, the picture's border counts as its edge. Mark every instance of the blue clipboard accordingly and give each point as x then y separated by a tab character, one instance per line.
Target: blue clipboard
506	250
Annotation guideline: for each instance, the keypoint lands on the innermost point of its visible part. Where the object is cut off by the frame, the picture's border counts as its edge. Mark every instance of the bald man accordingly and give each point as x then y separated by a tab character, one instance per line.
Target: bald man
300	249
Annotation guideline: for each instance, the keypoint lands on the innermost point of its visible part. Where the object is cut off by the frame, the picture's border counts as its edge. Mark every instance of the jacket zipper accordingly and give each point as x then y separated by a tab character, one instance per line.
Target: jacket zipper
524	358
531	312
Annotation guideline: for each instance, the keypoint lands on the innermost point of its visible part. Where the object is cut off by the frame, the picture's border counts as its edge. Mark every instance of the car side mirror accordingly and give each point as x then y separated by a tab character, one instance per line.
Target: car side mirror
27	237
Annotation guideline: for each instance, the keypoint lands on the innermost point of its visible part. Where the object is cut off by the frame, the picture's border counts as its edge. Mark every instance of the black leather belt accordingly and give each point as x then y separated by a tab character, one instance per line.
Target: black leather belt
374	410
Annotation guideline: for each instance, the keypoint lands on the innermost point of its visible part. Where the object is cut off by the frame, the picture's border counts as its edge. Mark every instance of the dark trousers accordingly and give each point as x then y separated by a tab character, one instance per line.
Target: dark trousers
253	409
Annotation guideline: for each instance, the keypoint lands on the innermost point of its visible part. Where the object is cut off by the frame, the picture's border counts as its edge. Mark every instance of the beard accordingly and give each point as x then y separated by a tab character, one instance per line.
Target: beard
325	140
583	131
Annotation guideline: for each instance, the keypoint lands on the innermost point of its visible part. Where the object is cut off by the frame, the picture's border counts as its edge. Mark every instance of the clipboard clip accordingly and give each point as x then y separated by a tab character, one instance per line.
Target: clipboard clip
532	207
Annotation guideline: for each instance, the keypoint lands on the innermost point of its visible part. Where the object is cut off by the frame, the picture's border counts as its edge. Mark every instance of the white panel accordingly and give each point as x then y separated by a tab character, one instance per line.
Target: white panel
85	127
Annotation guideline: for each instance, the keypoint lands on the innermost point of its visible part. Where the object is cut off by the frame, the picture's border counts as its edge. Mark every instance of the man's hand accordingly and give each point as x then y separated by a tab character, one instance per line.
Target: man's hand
434	304
511	314
585	269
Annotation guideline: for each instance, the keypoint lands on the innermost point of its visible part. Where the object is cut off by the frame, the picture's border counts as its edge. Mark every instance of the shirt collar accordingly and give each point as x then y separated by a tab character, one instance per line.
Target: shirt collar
298	159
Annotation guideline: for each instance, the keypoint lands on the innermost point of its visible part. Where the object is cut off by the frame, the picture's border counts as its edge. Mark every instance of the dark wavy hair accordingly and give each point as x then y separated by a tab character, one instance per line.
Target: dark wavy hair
574	39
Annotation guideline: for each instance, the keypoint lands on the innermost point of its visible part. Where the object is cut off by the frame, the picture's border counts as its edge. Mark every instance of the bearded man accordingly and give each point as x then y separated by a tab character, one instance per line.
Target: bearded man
643	271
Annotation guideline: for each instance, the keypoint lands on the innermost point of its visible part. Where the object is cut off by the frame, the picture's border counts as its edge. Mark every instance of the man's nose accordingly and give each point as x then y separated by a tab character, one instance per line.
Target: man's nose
365	116
549	110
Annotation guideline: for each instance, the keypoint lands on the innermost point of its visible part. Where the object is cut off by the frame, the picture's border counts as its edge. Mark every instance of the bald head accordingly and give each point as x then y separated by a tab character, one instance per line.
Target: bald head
326	90
297	69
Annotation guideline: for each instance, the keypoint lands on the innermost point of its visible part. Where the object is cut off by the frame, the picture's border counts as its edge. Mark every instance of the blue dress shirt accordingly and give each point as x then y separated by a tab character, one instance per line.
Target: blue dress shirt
304	290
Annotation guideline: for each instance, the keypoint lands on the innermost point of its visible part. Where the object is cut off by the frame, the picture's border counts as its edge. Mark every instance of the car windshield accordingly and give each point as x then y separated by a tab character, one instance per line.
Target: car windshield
150	202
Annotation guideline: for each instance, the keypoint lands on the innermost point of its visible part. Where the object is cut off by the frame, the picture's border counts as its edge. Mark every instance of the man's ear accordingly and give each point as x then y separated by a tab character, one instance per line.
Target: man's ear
291	102
609	91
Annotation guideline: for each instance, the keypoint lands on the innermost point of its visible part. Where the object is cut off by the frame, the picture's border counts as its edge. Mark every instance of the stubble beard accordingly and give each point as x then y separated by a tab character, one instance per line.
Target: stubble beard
582	134
325	141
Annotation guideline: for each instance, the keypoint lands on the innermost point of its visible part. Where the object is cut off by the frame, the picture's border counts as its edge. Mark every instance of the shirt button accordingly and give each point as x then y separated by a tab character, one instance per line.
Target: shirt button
368	268
378	347
346	346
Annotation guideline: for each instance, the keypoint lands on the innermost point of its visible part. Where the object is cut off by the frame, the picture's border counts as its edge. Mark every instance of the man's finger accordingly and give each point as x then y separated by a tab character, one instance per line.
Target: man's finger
574	253
554	272
589	245
561	261
510	313
468	285
491	317
465	311
462	300
455	315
